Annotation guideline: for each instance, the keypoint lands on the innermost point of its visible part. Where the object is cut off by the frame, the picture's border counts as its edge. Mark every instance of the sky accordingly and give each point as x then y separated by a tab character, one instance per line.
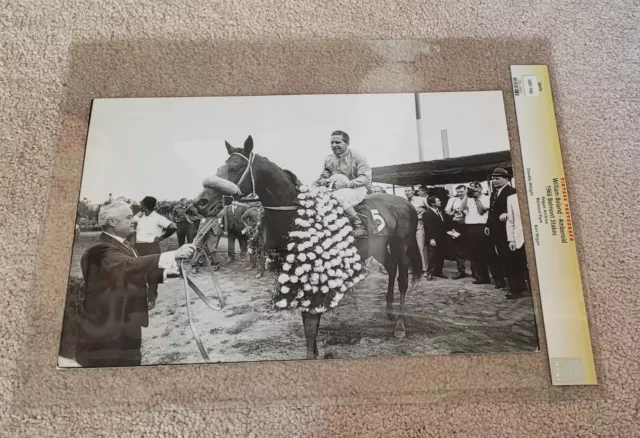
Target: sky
165	147
475	123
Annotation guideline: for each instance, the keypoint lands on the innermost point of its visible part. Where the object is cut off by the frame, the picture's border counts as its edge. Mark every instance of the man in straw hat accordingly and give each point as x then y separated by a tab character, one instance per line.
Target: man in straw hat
352	190
496	229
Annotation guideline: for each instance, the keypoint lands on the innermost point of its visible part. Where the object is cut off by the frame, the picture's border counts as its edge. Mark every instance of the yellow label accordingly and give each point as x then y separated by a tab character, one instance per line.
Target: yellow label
563	307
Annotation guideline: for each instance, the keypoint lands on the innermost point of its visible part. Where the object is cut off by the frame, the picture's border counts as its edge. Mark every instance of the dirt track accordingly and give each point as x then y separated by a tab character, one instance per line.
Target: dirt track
444	317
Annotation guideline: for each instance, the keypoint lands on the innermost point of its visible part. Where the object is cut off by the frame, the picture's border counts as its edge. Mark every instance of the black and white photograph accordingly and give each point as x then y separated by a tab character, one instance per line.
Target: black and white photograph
273	228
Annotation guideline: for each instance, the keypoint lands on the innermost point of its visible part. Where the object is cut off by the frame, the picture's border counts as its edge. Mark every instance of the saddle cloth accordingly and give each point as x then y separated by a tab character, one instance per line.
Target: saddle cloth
373	218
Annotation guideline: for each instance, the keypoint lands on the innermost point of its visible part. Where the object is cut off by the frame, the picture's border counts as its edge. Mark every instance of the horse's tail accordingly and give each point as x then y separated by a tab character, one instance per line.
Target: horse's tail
415	259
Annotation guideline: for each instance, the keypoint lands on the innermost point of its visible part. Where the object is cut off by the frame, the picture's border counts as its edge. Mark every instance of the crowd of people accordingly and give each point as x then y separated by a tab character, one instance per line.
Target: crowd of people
477	227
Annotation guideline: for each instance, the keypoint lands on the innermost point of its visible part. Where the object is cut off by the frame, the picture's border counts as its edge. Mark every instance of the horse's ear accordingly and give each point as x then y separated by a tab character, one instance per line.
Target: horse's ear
248	145
229	147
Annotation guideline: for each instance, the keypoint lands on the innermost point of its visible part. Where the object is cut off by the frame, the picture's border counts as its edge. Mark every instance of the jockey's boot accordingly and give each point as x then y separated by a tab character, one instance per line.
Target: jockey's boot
359	228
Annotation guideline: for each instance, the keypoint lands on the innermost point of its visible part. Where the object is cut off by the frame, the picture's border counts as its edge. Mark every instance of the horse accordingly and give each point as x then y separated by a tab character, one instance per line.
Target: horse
247	173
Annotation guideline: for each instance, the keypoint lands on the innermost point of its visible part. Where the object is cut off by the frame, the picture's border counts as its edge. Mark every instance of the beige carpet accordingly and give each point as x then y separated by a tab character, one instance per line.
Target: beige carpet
55	56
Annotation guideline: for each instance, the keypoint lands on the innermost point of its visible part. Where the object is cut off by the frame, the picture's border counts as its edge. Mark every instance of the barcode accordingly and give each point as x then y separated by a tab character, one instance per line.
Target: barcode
516	87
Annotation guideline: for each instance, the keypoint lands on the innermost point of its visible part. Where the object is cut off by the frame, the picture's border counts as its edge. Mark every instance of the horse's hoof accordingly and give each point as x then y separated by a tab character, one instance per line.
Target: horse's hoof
259	275
399	332
390	313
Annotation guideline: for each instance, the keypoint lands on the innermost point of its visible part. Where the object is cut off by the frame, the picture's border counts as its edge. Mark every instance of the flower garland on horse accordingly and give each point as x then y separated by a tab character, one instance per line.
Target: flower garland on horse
321	262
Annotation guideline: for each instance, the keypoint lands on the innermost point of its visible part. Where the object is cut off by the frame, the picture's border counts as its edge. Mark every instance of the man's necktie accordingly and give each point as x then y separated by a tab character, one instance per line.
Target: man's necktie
126	243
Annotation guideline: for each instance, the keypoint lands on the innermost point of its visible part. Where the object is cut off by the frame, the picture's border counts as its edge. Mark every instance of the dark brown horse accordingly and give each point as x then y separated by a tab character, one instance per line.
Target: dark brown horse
247	173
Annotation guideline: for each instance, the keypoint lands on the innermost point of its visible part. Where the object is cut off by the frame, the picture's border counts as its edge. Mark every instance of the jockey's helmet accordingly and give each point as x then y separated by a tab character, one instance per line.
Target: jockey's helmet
338	177
335	178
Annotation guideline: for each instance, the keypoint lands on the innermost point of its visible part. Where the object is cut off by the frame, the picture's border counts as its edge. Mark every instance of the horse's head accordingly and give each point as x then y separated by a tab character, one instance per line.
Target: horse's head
231	179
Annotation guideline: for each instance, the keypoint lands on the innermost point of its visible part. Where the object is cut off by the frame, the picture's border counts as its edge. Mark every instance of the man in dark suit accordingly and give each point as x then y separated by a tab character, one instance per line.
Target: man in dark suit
115	291
435	237
231	216
496	227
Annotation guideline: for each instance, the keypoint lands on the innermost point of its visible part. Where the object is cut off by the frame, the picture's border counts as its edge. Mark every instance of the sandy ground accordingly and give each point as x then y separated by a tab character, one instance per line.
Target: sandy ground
443	317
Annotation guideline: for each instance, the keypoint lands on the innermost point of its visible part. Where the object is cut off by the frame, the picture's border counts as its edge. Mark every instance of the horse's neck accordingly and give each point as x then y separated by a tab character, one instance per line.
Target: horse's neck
275	189
273	186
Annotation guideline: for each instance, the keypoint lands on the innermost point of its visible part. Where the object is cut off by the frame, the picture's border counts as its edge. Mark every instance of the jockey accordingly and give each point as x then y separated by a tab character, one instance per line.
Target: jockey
353	165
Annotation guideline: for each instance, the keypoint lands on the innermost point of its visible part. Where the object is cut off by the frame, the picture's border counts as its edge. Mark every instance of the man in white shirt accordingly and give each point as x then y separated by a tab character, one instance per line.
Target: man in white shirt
115	291
420	204
151	229
483	256
458	233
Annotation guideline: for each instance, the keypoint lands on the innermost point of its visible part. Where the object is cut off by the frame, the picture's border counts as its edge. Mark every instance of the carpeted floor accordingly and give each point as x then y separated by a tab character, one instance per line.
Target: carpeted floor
55	56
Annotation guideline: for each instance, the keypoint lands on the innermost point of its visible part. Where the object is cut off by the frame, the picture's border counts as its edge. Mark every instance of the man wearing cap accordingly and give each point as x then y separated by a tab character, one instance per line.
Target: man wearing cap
115	303
151	229
352	164
496	227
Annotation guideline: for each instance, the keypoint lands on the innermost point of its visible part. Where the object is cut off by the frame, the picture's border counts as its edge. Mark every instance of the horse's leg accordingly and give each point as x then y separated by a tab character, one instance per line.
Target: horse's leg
311	324
403	283
391	265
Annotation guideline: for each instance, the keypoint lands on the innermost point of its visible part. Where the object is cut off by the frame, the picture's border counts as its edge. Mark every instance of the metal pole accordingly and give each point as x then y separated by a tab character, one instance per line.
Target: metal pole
444	136
419	125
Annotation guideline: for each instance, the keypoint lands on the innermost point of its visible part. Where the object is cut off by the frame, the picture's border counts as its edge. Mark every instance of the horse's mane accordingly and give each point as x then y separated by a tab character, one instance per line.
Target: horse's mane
290	175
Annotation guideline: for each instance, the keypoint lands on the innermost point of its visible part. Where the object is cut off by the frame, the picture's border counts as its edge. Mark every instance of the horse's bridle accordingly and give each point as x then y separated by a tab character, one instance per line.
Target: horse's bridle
188	283
253	196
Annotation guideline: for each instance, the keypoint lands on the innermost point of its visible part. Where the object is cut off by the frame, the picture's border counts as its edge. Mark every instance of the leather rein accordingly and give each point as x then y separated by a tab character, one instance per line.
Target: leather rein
188	283
202	232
